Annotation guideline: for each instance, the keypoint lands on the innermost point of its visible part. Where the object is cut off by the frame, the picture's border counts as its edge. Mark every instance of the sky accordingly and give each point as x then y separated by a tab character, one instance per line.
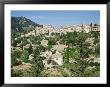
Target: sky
59	18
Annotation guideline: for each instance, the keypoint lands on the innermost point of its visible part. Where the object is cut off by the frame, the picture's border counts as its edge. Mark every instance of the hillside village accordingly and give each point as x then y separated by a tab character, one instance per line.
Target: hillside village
44	51
49	29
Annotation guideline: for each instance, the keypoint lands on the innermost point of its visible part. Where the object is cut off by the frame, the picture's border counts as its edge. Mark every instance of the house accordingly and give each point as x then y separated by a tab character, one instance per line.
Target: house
95	28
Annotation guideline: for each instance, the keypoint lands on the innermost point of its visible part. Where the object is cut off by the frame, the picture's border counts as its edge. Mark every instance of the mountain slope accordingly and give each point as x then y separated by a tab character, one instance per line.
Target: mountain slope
22	24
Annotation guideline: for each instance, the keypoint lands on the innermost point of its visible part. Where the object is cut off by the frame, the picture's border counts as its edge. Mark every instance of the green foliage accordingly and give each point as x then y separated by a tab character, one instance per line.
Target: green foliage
25	42
51	41
42	48
34	71
14	43
97	50
31	72
36	52
95	34
16	73
38	65
13	60
96	40
81	38
21	45
15	35
36	39
75	56
30	50
37	61
66	56
49	47
14	56
79	69
18	40
71	37
78	54
94	72
25	56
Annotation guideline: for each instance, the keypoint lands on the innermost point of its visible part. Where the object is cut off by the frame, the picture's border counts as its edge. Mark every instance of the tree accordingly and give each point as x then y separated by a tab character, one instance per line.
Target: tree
25	56
95	34
69	39
14	43
37	61
78	53
21	45
97	50
14	56
51	41
30	50
19	40
96	40
95	24
13	60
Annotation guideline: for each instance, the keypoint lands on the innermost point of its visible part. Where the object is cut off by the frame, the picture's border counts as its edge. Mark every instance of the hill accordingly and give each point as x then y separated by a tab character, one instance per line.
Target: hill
22	24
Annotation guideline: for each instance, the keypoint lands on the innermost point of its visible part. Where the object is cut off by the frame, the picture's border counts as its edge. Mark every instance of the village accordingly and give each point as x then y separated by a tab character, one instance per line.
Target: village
49	29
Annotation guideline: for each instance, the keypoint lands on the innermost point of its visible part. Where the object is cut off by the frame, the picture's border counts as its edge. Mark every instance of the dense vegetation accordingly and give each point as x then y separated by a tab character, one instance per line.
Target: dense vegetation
79	54
76	56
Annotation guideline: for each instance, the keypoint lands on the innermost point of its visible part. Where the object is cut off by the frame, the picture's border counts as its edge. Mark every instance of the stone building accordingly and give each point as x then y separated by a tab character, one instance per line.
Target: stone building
79	28
95	28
